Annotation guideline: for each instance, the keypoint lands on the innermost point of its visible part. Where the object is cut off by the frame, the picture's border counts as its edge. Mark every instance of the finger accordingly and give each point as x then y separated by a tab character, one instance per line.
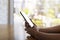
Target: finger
26	29
26	22
27	25
30	31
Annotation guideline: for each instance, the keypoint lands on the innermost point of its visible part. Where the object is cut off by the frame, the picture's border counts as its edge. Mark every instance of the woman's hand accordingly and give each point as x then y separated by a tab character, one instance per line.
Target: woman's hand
32	30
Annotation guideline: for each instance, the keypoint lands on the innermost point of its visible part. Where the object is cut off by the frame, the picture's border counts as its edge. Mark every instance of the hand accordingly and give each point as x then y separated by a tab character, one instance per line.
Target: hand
29	28
32	30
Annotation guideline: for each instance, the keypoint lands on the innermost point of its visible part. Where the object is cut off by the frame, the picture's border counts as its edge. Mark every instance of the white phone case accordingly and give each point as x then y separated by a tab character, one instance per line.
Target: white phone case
26	18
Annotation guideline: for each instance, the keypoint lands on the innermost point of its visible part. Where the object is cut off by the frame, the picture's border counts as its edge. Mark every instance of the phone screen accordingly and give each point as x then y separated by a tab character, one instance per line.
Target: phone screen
26	18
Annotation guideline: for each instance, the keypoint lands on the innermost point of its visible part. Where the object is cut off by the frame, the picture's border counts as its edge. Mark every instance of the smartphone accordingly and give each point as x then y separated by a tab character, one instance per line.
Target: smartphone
26	18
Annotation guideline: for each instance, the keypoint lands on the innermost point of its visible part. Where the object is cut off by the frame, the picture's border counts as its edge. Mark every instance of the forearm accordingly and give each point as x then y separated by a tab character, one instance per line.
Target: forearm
46	36
55	29
47	30
51	36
